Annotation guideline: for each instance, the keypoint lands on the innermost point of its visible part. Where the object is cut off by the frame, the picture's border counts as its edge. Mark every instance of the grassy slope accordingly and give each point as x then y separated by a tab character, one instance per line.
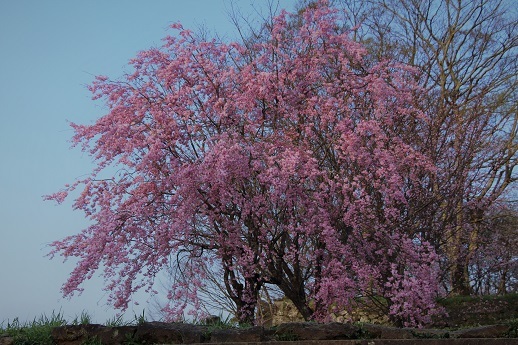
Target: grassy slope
467	311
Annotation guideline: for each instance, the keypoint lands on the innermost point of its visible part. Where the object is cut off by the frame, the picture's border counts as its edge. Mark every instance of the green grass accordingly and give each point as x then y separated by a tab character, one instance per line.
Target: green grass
83	319
36	332
116	321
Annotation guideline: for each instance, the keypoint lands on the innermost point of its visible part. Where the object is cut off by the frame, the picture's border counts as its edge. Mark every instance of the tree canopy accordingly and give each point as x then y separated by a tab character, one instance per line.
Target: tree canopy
294	160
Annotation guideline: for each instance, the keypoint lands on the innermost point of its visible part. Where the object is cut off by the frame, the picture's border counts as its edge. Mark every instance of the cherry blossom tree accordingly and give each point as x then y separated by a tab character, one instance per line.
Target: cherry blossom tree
280	162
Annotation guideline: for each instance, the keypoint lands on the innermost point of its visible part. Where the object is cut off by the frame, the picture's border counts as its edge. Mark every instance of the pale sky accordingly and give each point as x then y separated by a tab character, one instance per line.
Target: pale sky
49	51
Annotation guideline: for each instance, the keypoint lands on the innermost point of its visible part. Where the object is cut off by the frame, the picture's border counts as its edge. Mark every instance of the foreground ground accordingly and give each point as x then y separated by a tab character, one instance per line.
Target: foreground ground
468	318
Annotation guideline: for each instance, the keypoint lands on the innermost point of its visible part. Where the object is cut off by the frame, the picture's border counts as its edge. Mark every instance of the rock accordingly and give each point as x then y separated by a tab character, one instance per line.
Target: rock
429	333
211	320
180	333
78	334
74	334
170	333
385	332
314	331
282	311
491	331
6	340
116	335
253	334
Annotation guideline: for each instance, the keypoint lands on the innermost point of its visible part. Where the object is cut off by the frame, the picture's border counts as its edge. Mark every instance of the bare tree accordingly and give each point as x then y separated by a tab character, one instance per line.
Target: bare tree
466	51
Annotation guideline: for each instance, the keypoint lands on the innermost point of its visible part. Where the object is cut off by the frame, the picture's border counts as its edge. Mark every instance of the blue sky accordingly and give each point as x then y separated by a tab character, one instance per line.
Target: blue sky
49	51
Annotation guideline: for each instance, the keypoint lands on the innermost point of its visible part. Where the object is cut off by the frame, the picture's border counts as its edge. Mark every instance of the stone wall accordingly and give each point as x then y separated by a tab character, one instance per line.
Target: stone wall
298	332
282	311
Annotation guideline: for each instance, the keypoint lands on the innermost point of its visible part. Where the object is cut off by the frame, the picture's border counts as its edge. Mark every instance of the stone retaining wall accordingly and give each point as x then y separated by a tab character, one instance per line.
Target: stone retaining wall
288	333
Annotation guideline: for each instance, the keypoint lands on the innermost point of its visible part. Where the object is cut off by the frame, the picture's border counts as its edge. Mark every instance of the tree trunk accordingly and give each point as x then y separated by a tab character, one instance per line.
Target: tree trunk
244	296
460	279
246	313
298	298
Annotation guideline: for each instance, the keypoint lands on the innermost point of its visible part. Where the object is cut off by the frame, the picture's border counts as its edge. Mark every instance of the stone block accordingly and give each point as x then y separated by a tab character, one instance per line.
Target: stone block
253	334
315	331
170	333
